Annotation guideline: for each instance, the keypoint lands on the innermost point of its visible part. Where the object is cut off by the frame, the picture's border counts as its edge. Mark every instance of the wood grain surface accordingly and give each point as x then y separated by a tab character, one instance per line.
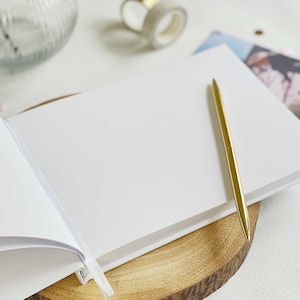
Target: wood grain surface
189	268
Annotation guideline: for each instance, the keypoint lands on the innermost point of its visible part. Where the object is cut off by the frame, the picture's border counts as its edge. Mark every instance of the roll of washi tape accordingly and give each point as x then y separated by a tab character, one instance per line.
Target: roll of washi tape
161	21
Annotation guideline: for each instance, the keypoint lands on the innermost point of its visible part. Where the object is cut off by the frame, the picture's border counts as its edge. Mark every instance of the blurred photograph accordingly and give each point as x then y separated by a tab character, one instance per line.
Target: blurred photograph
280	73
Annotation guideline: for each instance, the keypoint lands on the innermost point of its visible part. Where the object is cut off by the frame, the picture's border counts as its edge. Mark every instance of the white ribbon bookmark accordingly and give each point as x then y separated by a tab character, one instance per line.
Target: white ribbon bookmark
93	271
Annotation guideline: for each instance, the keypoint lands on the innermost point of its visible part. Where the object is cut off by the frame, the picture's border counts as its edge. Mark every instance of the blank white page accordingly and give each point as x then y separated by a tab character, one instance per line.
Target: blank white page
25	209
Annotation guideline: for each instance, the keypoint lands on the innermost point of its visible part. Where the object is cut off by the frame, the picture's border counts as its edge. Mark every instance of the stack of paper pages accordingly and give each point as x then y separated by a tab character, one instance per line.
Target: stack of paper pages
121	170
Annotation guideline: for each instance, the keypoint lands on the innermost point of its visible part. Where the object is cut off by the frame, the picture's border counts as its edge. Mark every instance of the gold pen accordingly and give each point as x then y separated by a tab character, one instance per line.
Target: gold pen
231	161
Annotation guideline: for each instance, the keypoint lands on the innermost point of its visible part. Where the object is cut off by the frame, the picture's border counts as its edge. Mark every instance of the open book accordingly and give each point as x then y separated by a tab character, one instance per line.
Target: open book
116	172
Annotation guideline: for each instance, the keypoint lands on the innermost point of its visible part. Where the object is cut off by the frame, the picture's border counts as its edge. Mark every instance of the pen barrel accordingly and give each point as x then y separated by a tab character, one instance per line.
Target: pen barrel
222	119
237	188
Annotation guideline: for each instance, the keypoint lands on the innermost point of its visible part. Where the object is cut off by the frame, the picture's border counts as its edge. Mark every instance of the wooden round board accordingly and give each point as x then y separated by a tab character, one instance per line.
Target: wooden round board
189	268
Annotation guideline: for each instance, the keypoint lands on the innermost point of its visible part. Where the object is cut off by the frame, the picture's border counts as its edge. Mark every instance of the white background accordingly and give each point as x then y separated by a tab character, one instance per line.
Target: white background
101	50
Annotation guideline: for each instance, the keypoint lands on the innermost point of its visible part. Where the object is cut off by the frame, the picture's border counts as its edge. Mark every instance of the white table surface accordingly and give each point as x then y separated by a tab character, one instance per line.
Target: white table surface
101	50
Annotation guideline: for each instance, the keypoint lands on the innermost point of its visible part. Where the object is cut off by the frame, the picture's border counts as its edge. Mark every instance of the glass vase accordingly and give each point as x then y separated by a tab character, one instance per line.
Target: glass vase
33	30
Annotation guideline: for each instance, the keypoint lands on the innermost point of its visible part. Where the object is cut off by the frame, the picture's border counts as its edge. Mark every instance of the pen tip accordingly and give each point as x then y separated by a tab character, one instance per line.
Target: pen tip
248	236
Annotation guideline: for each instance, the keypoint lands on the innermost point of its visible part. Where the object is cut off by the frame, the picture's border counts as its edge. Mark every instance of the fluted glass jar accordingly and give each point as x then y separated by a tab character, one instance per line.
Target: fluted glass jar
33	30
